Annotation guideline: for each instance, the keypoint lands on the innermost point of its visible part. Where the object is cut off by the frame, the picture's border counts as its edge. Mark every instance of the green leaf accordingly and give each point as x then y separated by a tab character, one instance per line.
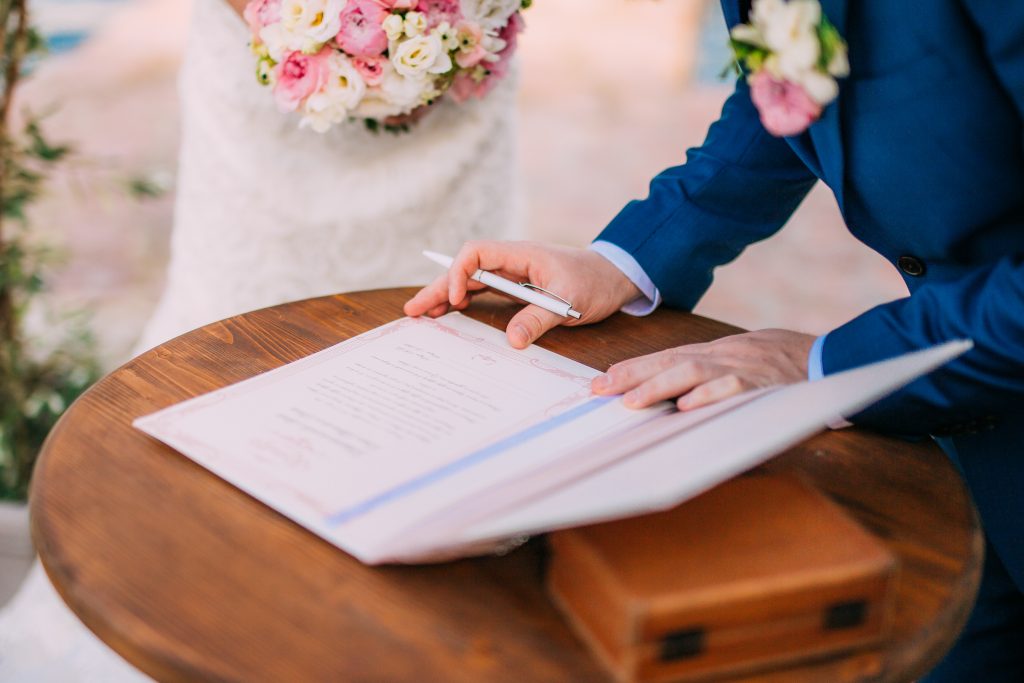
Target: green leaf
40	148
748	57
831	42
141	187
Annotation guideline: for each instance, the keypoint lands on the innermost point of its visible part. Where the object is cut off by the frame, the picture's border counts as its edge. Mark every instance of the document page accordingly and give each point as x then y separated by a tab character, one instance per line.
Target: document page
389	425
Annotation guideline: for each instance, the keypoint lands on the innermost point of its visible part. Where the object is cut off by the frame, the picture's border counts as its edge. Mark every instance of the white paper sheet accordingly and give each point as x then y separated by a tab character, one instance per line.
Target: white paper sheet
361	440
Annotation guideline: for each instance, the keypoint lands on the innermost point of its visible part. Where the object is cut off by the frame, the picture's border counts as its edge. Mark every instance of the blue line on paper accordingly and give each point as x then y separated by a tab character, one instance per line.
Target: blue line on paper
486	453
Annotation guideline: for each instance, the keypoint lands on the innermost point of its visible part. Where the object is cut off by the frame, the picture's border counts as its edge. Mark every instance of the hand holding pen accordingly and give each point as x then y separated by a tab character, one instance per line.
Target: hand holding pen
583	280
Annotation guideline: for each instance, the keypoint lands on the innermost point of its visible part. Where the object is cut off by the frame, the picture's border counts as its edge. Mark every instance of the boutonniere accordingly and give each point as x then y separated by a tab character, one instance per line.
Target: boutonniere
792	56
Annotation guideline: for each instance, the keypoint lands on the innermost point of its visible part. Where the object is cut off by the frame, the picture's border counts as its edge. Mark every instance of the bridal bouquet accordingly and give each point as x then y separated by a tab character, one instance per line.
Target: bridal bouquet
383	61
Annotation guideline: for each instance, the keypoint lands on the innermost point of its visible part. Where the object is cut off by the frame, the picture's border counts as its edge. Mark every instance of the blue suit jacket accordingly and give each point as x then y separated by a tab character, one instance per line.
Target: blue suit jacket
924	151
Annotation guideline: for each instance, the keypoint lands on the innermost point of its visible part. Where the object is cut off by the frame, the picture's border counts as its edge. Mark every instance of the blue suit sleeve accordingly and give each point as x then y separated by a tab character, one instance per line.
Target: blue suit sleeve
739	187
986	305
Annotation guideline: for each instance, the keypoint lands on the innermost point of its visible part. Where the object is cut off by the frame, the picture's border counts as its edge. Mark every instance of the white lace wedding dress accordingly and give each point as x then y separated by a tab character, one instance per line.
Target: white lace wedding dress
267	213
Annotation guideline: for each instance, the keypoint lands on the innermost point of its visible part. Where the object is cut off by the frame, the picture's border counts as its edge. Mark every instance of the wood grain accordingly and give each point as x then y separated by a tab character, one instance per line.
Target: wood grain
190	579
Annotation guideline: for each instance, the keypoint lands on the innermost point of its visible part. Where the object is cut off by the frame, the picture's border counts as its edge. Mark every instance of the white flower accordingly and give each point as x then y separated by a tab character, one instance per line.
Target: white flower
395	95
747	33
320	114
311	23
490	14
449	37
820	87
798	57
422	55
839	65
342	93
345	84
415	24
394	26
276	41
493	44
762	10
790	30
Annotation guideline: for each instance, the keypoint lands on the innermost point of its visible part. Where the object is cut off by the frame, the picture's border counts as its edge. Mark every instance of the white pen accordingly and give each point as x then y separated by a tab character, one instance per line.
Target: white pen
529	293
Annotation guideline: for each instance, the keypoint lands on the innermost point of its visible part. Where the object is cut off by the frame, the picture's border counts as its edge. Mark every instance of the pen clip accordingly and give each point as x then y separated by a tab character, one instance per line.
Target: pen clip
530	285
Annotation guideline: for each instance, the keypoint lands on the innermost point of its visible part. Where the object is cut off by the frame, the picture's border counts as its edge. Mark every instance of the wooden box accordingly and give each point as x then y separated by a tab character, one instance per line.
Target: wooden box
760	573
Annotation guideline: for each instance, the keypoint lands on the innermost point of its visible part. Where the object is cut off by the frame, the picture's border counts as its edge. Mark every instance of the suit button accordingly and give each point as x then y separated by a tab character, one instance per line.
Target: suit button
911	265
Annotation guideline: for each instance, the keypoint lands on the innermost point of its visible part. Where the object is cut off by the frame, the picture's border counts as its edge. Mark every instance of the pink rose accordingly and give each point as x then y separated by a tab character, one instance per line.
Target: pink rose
785	108
440	11
470	59
370	68
362	31
465	86
299	76
398	4
260	13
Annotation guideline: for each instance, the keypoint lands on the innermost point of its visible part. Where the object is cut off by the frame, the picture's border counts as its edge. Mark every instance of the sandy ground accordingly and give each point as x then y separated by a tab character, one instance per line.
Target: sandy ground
603	108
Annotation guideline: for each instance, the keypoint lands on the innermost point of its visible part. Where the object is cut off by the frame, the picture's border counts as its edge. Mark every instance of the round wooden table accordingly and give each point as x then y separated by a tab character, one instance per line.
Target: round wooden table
190	579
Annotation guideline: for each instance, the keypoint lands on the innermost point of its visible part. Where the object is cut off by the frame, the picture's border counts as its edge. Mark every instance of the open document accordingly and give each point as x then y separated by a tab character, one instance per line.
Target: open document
425	439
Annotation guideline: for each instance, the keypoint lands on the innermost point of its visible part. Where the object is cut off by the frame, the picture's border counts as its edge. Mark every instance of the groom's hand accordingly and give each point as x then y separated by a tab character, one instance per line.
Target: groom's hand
595	287
699	374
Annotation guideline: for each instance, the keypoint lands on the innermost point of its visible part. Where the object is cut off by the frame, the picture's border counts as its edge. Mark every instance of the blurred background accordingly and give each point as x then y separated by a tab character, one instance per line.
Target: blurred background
602	110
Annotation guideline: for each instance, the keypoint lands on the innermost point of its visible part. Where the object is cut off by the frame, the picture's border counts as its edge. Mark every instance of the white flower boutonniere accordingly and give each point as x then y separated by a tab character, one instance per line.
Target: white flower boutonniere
792	56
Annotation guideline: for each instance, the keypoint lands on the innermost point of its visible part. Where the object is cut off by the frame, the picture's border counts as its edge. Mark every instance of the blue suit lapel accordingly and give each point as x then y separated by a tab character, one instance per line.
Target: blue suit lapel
826	133
821	148
731	10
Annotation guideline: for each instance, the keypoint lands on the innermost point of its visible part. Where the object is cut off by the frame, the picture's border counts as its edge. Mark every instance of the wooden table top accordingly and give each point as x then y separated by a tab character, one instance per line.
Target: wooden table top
188	578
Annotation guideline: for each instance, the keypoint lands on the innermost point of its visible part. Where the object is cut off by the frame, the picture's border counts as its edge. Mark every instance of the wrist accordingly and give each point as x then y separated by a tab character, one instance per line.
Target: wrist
618	287
622	289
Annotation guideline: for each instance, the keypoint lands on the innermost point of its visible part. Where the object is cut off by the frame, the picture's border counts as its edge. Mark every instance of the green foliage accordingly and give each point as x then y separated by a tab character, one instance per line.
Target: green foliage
35	393
747	58
831	43
39	377
141	186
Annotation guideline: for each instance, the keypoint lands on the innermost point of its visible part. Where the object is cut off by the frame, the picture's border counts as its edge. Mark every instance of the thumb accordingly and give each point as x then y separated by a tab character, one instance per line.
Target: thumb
529	324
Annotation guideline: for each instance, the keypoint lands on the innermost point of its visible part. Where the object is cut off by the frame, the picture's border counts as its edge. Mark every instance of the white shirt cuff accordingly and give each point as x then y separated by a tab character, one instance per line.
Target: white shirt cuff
816	370
650	297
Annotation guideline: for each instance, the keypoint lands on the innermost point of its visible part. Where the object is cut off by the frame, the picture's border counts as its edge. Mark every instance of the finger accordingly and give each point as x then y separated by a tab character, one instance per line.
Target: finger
428	298
529	324
464	304
475	289
514	258
714	391
677	380
439	310
626	375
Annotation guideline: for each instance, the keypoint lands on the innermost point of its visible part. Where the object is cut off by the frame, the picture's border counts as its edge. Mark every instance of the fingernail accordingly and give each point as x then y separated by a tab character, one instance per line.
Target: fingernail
631	398
519	336
600	383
